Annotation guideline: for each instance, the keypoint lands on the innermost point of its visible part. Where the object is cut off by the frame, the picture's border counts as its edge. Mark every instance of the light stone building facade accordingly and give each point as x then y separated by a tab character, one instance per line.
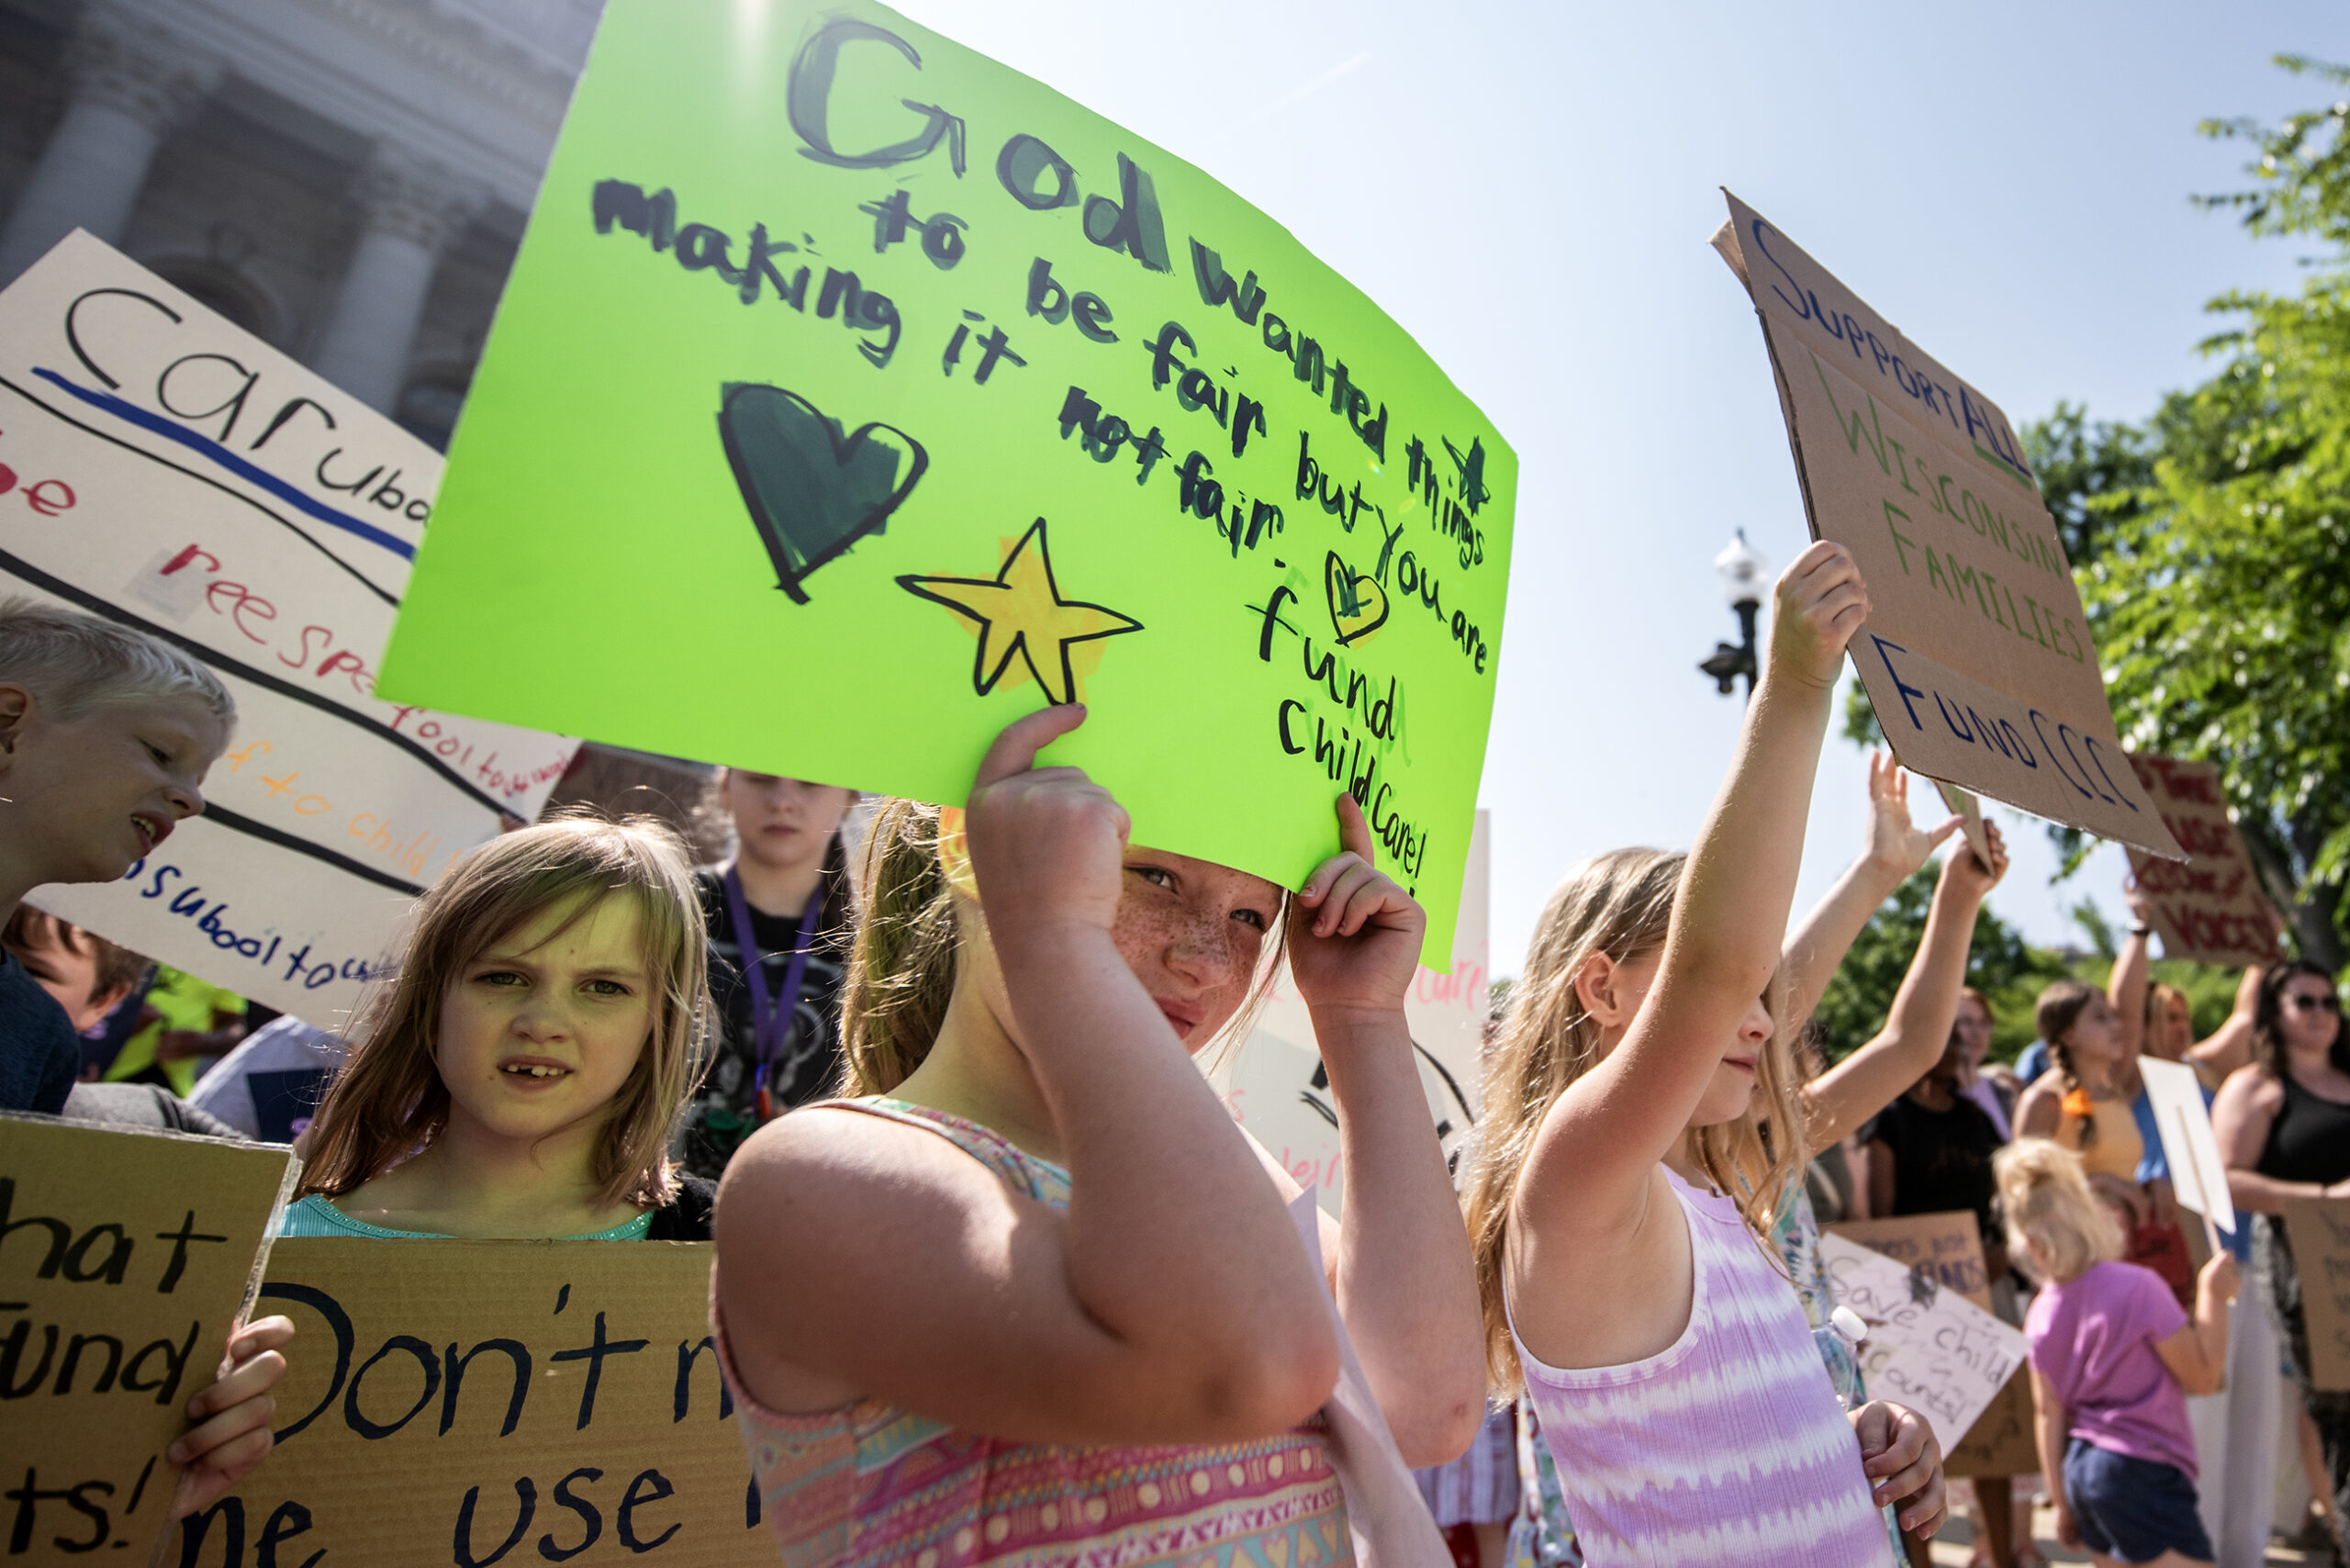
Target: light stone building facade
346	179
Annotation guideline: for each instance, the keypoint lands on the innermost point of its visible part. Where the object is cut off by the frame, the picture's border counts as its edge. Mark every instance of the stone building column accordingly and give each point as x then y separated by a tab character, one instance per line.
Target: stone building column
408	210
132	83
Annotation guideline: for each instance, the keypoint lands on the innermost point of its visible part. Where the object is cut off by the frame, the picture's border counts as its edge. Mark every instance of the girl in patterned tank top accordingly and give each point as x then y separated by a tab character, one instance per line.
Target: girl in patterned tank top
1623	1192
1043	1303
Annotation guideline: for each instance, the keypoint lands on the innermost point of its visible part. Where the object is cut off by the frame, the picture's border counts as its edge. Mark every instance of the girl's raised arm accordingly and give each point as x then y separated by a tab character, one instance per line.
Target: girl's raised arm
1592	1161
1171	1302
1917	1030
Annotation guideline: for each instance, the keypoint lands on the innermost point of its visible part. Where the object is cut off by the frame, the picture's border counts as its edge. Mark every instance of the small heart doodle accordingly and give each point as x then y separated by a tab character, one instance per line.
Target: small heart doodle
1358	604
812	491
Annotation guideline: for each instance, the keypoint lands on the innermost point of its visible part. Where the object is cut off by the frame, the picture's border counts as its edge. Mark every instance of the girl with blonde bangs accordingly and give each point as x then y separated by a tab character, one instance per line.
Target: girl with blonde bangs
1643	1124
520	1071
1025	1294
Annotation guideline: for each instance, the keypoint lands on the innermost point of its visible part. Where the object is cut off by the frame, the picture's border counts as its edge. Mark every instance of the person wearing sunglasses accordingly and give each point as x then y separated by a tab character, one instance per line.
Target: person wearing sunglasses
2283	1124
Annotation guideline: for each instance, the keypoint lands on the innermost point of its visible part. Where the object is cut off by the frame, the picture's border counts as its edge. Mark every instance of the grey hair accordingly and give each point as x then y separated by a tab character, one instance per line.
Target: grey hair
75	663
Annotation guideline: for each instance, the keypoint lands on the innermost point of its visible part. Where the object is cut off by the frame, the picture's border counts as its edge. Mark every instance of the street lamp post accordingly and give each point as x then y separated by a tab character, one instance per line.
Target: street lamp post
1743	571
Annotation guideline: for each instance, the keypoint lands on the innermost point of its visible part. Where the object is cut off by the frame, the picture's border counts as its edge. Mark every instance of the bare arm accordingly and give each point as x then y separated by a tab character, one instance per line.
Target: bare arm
2041	1110
1170	1302
1917	1030
1594	1218
1881	1189
2197	1354
2126	987
1406	1288
2230	1046
1896	849
2049	1421
1591	1171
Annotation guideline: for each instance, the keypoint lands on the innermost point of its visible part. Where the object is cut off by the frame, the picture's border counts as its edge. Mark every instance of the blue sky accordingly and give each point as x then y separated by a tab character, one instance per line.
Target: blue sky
1527	189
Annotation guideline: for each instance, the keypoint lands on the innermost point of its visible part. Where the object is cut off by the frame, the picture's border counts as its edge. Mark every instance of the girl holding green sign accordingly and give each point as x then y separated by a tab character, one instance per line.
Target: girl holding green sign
1036	1297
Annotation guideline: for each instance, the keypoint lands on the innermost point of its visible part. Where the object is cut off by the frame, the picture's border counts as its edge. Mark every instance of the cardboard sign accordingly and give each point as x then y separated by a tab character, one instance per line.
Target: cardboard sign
1948	1248
1274	1084
515	1400
1975	656
2213	909
1929	1348
125	1257
1964	803
2198	1175
2318	1230
853	395
162	469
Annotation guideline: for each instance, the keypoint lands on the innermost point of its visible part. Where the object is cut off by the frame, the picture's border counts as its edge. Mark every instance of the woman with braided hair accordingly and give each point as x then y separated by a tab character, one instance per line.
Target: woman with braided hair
2084	1103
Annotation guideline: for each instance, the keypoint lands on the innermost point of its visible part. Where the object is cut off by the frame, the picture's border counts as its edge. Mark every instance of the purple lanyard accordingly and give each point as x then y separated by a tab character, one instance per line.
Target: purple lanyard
770	1024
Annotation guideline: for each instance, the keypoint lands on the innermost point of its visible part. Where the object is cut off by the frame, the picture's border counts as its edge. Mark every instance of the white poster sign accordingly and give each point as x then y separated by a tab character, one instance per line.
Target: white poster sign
1274	1084
166	470
1928	1348
2198	1175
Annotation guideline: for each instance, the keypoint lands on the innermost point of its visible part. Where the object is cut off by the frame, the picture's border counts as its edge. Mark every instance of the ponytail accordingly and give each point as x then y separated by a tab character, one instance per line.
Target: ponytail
901	960
2060	1007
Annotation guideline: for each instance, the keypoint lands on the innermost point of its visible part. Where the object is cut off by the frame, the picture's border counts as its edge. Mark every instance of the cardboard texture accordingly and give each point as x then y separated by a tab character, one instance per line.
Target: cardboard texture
1975	655
2318	1230
480	1401
928	416
1949	1248
1274	1085
2198	1175
1963	801
2213	909
124	1259
162	469
1929	1348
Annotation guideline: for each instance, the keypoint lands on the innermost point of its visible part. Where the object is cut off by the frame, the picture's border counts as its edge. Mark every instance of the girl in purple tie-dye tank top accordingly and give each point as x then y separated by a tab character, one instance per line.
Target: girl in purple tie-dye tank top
1623	1190
1043	1302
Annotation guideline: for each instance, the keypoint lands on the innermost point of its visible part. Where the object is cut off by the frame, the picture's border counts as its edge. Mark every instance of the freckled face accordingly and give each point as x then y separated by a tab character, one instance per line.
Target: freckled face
1192	932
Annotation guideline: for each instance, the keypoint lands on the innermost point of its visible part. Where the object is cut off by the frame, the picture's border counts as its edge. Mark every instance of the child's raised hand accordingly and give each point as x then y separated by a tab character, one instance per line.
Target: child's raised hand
2219	1280
231	1433
1354	936
1897	847
1047	843
1819	604
1901	1458
1964	869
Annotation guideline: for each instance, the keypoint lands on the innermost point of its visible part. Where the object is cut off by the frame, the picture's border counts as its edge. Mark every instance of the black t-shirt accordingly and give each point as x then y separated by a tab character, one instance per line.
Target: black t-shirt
807	1065
40	1054
1941	1159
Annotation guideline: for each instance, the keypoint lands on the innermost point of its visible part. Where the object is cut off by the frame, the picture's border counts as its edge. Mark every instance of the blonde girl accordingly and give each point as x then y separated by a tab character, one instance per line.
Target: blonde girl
1030	1295
2113	1357
521	1072
1624	1187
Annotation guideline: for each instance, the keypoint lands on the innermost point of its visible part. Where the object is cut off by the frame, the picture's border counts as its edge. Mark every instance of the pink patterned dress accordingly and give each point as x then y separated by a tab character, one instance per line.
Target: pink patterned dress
870	1485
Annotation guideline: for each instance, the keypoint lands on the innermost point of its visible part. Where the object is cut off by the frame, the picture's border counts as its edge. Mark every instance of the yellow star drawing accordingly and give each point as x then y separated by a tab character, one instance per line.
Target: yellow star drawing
1020	614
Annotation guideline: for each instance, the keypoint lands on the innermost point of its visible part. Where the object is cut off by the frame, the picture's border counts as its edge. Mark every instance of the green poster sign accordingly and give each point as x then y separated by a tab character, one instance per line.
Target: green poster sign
853	395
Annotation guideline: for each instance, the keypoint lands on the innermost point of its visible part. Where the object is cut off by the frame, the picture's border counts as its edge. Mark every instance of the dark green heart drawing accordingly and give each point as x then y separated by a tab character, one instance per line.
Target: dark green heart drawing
811	491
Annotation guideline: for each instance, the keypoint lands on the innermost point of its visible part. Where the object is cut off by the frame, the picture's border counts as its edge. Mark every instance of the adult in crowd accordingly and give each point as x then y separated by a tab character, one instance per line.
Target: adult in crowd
2283	1124
778	914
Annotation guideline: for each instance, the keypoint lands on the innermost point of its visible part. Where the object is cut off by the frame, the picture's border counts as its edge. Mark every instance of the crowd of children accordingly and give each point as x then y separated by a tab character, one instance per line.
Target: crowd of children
998	1278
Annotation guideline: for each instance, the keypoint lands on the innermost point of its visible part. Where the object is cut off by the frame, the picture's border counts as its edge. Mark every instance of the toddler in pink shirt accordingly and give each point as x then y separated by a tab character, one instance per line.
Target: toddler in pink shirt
2113	1359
